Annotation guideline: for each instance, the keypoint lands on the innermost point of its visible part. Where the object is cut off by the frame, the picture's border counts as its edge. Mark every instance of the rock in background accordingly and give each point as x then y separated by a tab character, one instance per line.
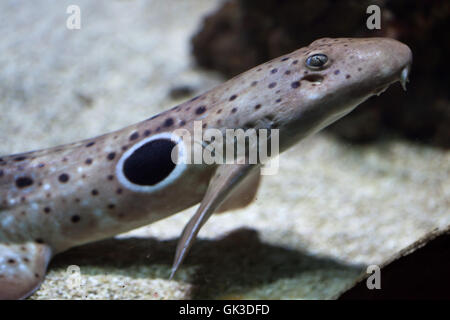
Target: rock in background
245	33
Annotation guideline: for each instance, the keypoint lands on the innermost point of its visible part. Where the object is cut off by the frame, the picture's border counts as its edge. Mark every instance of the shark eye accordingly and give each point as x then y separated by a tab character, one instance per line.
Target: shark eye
316	61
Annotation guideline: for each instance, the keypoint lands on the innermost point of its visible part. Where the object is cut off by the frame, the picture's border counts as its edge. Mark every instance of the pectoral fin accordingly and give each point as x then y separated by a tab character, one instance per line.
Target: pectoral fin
22	268
243	194
226	179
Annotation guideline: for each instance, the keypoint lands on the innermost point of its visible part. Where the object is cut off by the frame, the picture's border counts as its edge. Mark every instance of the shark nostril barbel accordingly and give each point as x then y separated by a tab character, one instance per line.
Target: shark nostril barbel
404	76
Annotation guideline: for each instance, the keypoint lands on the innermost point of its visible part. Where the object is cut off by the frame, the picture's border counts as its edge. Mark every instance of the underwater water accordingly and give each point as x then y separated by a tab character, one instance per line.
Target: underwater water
333	208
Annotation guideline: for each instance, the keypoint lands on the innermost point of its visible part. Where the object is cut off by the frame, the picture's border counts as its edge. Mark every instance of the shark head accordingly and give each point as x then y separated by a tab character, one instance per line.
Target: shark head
326	80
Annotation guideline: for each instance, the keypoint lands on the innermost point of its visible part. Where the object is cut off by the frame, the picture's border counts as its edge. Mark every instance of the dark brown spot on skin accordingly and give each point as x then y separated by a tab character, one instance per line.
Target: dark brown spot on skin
111	206
295	84
11	261
134	136
63	178
259	69
110	177
182	123
20	158
94	192
254	83
278	100
168	122
88	161
90	144
24	182
219	111
233	110
147	133
274	70
204	125
200	110
83	176
119	191
257	106
36	275
359	69
47	210
347	76
111	156
272	85
75	218
337	72
64	159
26	260
287	72
124	148
48	195
295	62
219	122
233	97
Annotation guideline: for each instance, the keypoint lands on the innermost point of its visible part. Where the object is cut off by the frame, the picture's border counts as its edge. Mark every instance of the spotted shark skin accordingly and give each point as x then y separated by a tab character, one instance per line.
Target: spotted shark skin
58	198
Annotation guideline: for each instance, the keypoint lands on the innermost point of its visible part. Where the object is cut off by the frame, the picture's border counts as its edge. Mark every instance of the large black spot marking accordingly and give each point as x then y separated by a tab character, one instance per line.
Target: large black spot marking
134	136
295	84
168	122
200	110
63	178
151	163
24	182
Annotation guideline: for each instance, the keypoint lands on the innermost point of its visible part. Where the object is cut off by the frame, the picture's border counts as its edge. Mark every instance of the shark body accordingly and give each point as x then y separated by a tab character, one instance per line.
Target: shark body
57	198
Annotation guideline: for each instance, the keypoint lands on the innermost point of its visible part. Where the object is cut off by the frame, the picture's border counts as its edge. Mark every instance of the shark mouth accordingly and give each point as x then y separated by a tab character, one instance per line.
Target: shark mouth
404	78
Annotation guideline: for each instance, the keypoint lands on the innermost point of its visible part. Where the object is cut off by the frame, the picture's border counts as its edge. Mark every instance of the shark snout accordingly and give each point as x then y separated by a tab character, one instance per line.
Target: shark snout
383	61
396	60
